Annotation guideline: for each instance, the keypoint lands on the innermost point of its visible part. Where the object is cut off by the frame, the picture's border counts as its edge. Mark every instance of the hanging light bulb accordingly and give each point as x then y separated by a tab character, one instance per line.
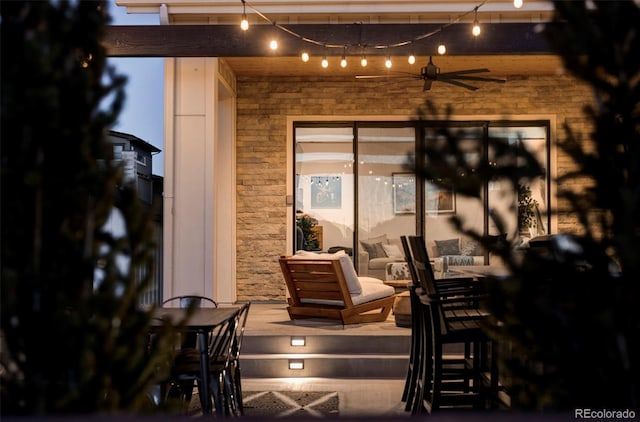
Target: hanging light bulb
305	56
442	49
244	23
343	62
363	61
411	59
517	4
273	44
476	25
325	62
387	63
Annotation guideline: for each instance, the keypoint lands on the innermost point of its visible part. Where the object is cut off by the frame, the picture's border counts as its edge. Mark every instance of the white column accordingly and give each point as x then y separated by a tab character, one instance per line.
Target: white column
192	181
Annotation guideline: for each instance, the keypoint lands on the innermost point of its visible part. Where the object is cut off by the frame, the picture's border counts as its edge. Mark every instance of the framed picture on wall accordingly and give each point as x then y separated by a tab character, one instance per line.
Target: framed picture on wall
439	200
326	191
404	193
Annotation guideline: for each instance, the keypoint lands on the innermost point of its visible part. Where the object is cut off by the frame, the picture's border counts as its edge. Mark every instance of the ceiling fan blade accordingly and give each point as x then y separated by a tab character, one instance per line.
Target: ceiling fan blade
393	74
374	76
475	78
458	83
465	72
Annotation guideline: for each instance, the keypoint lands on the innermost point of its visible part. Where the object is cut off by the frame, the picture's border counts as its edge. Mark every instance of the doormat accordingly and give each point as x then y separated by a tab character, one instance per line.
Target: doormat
283	404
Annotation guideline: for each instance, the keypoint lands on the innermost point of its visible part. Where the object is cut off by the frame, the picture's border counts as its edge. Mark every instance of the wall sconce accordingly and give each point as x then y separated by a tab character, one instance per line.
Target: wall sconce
298	341
296	364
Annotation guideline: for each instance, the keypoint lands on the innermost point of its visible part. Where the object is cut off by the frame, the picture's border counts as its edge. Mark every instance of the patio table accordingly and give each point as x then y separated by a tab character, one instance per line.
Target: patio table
202	321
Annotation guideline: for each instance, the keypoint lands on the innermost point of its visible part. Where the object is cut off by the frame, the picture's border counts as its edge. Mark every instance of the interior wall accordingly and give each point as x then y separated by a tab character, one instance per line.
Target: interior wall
265	105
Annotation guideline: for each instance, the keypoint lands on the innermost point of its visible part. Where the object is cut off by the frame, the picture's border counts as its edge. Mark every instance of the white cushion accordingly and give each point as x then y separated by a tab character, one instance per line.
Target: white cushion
350	275
372	289
370	280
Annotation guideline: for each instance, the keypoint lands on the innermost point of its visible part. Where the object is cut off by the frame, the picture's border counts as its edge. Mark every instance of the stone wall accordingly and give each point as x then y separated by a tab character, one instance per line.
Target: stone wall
264	104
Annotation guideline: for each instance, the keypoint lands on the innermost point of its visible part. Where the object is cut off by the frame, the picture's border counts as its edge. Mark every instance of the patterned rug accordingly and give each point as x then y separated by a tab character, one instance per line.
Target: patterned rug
282	404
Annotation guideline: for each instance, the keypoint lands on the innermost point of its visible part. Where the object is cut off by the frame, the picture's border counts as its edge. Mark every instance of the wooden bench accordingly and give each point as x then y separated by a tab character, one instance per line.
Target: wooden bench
318	288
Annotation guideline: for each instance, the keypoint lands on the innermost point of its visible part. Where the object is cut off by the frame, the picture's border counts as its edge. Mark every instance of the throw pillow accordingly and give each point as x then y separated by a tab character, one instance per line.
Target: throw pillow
470	248
448	247
374	247
392	251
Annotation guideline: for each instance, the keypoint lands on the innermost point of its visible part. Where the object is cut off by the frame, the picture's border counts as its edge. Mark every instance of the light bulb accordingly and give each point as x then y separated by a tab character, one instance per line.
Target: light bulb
244	24
412	59
305	56
476	29
273	44
343	62
517	4
387	63
363	62
442	49
476	26
325	62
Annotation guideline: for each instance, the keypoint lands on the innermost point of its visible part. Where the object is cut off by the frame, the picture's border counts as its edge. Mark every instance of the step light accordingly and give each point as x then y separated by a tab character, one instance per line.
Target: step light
298	341
296	364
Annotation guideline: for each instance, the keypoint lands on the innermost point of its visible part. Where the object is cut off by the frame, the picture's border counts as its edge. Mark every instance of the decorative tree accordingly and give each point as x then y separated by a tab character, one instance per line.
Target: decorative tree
71	344
571	318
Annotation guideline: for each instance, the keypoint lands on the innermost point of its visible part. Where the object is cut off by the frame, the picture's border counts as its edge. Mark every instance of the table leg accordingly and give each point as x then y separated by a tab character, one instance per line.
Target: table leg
204	373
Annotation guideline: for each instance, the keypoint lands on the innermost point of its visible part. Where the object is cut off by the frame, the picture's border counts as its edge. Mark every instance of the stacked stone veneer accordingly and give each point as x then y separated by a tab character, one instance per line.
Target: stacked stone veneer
265	103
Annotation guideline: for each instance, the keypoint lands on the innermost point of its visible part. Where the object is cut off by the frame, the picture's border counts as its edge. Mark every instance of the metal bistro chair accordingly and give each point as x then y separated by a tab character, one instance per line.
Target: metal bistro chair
235	399
190	339
187	366
186	300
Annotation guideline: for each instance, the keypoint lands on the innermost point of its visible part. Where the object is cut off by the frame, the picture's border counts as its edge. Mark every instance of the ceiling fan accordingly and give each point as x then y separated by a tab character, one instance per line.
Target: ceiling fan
431	73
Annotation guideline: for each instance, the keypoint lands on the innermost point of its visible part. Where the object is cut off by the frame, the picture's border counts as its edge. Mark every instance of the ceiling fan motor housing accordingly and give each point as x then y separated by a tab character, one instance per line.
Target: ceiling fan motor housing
430	71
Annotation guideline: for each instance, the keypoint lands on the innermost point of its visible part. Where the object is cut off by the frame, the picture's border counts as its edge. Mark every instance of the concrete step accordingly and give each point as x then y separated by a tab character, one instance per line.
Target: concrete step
327	356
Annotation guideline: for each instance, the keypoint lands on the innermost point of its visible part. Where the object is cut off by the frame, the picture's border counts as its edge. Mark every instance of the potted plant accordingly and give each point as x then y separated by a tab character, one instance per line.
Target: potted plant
306	224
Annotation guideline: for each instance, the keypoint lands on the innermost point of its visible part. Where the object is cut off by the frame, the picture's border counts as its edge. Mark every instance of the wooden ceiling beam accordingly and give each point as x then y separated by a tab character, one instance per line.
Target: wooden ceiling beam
231	41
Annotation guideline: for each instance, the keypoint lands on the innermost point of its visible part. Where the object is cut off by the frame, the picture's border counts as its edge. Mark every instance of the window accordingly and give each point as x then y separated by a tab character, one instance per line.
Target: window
354	181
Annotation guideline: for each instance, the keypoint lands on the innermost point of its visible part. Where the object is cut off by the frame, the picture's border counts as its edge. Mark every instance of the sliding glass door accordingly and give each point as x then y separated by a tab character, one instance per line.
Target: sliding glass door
355	188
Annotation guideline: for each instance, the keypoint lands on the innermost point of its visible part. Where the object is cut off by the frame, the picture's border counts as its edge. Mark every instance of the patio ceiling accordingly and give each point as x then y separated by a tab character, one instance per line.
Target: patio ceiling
510	43
507	49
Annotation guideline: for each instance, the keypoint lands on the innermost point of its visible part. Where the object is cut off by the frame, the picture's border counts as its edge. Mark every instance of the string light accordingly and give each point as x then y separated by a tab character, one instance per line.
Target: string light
517	4
387	63
363	62
476	26
325	62
244	23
